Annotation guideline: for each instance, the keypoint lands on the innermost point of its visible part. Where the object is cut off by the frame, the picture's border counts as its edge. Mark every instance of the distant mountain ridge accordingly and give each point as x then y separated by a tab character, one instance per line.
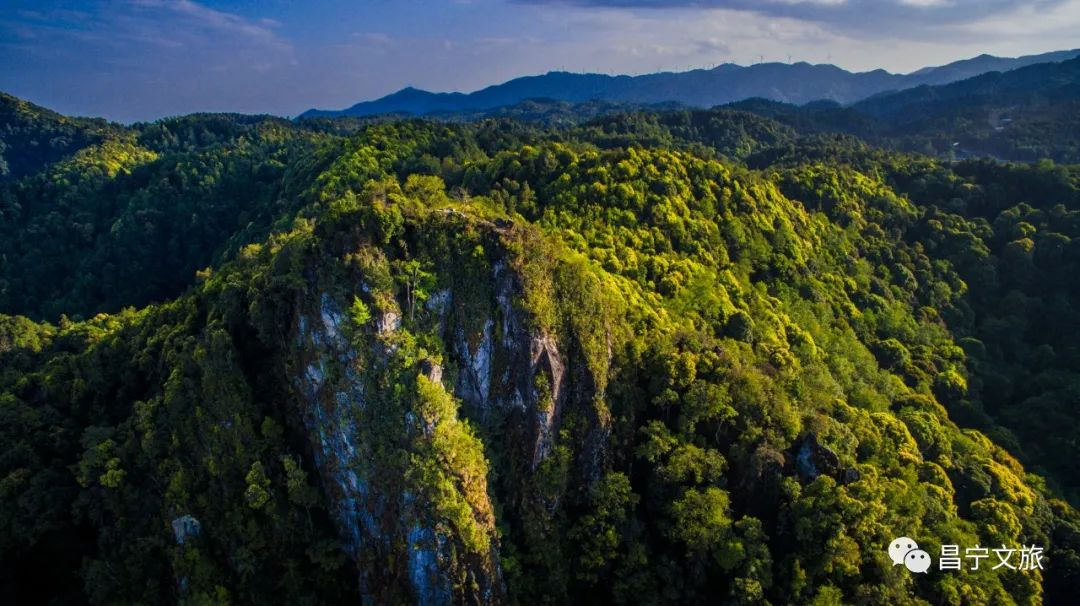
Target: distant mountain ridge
796	83
1023	115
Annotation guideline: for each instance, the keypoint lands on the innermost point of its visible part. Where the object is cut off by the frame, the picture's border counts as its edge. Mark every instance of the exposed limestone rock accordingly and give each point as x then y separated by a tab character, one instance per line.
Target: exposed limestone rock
438	302
813	459
375	523
432	370
500	362
545	362
474	380
523	356
430	584
185	527
329	415
332	319
388	322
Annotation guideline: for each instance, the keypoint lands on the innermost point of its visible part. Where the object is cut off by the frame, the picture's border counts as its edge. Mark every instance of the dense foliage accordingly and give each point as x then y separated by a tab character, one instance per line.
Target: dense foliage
676	357
32	137
128	220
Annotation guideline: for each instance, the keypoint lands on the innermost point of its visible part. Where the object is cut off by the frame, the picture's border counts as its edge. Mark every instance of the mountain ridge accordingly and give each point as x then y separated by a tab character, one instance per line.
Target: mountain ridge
1022	115
796	83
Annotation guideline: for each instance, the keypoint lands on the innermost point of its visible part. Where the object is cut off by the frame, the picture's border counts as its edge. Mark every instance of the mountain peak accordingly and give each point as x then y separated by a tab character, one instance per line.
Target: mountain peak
411	91
797	83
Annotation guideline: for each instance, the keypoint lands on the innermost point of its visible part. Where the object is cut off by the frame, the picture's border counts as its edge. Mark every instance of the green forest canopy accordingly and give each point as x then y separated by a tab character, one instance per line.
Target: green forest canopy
725	291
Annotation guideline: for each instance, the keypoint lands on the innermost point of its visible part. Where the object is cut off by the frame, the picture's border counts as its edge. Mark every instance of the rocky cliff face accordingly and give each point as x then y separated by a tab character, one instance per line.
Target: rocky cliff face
492	362
523	371
333	395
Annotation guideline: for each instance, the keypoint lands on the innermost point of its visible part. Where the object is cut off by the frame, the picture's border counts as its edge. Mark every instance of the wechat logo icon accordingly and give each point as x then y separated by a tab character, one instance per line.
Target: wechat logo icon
906	551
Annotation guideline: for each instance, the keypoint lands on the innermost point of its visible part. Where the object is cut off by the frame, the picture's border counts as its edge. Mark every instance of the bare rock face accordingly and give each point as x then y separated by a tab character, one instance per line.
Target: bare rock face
522	371
813	459
376	524
388	322
548	369
427	572
330	417
474	361
498	361
432	370
186	527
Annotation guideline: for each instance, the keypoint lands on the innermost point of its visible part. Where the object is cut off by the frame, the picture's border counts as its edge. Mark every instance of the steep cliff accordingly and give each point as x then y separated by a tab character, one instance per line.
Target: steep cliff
404	408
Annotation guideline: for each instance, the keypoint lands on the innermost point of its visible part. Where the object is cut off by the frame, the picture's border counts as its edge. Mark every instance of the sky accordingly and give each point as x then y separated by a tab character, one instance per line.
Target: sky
131	60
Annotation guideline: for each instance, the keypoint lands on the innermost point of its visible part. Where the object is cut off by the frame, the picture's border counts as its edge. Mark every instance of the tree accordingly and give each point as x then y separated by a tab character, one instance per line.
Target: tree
416	280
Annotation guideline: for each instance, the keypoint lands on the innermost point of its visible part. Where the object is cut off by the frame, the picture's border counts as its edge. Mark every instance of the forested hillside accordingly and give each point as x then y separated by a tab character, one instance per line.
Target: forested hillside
648	358
33	137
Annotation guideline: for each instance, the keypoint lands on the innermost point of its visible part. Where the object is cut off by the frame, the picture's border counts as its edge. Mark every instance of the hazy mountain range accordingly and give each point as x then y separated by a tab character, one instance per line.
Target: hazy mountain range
796	83
1021	115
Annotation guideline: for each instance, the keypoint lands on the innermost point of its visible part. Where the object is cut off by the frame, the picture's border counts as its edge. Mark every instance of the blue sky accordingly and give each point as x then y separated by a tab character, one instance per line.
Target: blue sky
143	59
